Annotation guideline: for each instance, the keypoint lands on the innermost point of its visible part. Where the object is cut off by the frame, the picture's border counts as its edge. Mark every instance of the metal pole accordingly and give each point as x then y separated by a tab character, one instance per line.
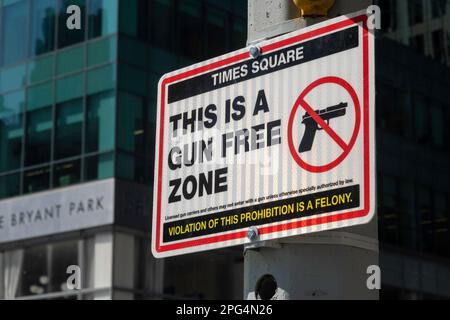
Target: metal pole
326	265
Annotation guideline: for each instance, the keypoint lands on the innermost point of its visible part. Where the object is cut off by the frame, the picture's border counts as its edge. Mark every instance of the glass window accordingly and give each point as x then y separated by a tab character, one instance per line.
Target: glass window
11	131
14	31
130	167
134	18
69	125
39	129
70	88
63	254
43	29
13	78
34	278
190	29
437	125
36	180
40	69
162	24
67	173
415	11
388	15
131	124
44	268
418	43
425	214
99	167
439	45
133	80
239	34
101	79
102	51
68	37
438	8
70	60
40	96
421	119
442	224
100	126
217	32
102	17
9	185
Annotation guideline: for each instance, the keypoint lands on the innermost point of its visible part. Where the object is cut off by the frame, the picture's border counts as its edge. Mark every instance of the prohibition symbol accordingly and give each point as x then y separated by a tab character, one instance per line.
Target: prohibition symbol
318	120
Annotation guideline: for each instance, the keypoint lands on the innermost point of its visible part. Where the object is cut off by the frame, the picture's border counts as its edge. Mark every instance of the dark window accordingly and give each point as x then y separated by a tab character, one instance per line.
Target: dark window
100	126
238	34
425	218
99	167
438	8
217	23
442	224
131	125
43	26
36	180
69	122
190	29
439	45
68	37
68	173
9	185
415	11
11	133
163	24
437	124
388	15
14	31
418	43
39	131
421	119
102	17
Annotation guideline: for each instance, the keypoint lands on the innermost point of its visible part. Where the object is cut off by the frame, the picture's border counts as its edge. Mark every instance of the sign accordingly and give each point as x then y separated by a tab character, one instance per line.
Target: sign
283	142
80	207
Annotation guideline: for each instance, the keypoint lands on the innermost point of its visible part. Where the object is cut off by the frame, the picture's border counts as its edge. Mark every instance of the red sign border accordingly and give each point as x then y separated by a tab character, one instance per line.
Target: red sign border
283	226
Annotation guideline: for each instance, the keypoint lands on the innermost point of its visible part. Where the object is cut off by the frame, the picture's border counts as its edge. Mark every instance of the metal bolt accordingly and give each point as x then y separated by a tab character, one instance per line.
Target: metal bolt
255	51
253	234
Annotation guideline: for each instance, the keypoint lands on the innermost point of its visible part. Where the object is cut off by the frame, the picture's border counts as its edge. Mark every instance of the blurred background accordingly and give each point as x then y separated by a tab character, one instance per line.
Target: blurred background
77	137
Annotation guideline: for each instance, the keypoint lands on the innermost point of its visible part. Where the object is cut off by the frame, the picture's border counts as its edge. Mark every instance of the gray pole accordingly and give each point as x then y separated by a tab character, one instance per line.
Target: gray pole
325	265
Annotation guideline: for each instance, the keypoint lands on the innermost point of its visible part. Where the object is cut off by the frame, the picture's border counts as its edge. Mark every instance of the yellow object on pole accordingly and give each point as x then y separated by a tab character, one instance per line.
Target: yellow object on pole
314	8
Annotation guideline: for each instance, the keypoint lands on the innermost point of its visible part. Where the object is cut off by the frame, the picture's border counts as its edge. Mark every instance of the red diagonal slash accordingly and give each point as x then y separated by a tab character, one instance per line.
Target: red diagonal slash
323	125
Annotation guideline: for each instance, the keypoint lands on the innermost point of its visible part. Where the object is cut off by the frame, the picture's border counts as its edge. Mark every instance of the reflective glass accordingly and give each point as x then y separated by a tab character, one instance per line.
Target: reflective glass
99	167
70	60
43	17
131	124
69	122
70	88
40	96
9	185
40	69
11	130
14	31
101	79
102	17
100	126
67	173
36	180
102	51
13	78
39	129
67	37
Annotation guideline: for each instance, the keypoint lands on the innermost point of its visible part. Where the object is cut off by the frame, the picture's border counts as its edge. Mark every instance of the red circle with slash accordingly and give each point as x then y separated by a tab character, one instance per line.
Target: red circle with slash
301	102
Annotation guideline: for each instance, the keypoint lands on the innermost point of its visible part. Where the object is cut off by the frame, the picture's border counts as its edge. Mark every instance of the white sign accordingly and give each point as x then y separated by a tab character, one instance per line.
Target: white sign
74	208
282	143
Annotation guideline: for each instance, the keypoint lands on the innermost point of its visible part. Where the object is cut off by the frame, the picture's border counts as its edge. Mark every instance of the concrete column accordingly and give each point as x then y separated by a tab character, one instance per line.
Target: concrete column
326	265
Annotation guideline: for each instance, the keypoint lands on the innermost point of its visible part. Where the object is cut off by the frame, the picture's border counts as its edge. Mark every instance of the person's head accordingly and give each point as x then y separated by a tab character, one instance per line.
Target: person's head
266	287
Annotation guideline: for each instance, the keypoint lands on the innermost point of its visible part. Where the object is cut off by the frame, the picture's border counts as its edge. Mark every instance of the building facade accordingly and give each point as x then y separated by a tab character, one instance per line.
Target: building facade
77	122
77	125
